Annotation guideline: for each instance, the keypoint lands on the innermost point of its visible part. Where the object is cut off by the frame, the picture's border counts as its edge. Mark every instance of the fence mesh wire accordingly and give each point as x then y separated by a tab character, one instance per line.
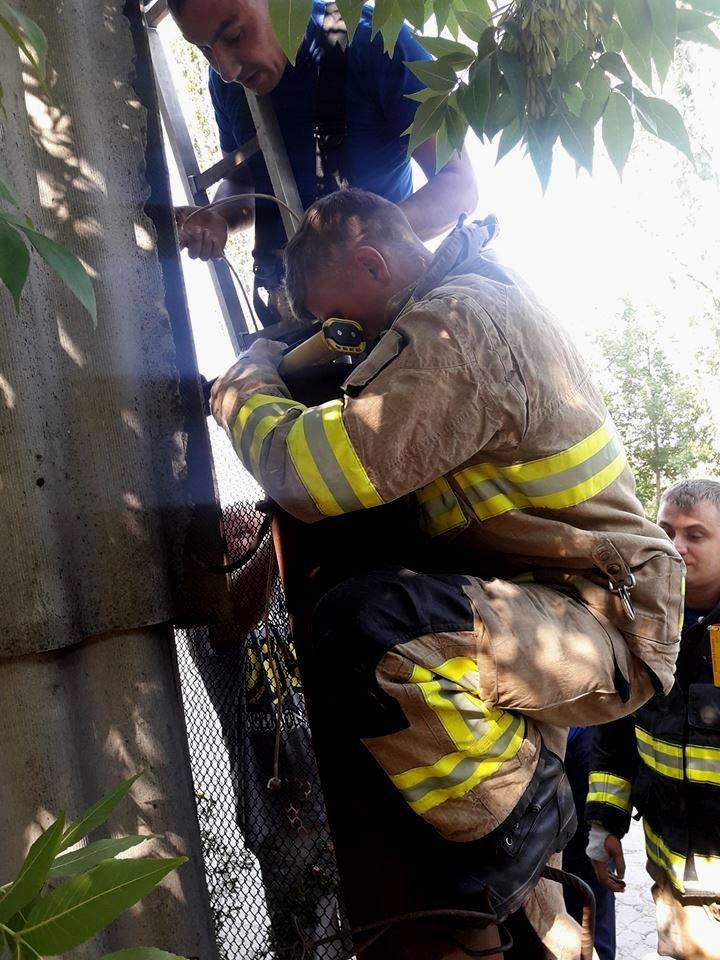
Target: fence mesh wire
268	855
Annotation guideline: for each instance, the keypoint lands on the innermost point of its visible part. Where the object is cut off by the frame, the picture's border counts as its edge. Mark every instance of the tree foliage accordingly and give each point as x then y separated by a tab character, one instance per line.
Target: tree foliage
535	72
17	234
40	916
662	416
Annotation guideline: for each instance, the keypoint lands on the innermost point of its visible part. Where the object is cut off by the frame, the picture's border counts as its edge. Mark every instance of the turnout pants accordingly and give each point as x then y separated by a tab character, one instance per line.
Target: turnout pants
448	680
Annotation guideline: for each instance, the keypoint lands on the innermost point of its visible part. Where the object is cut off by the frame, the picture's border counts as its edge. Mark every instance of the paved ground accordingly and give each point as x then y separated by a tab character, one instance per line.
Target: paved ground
635	914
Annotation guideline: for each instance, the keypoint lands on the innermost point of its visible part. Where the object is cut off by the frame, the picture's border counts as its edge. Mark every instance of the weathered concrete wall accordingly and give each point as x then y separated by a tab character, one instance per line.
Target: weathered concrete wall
95	500
105	482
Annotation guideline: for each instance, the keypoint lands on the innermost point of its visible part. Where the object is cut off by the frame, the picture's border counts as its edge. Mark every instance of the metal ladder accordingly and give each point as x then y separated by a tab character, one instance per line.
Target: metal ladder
268	140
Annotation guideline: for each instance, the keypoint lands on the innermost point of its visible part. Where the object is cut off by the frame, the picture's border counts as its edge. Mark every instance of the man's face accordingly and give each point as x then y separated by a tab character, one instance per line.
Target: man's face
350	290
696	536
237	39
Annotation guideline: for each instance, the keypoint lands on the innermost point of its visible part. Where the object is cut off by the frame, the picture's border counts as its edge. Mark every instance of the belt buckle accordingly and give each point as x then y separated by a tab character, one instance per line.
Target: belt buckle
622	589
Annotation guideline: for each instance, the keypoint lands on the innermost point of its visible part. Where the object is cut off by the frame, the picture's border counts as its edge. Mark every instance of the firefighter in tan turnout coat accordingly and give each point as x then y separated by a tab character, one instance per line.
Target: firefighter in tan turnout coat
473	402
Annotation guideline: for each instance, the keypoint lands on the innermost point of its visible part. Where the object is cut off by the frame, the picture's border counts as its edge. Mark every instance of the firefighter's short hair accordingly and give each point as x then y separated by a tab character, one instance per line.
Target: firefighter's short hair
686	494
332	223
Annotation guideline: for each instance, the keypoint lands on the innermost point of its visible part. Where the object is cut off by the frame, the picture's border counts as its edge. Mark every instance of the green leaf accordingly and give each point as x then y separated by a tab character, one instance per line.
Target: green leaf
597	90
443	146
474	23
571	43
382	13
618	130
510	137
702	35
709	6
475	98
501	112
456	54
635	19
638	100
414	11
289	20
67	266
421	95
514	73
351	11
141	953
576	135
578	68
613	63
666	120
6	193
34	871
692	20
14	265
441	9
97	814
80	861
456	122
541	137
574	100
437	74
613	37
77	910
664	20
428	117
35	37
391	28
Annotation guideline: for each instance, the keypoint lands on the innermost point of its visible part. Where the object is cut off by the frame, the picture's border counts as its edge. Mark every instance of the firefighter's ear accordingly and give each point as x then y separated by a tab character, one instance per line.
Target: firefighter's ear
373	264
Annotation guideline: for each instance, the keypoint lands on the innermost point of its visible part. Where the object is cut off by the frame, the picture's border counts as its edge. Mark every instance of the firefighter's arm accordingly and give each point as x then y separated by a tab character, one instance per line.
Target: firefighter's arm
411	414
613	768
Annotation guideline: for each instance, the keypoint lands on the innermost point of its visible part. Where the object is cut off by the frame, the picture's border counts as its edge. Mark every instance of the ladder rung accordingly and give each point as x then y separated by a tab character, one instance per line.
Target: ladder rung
223	168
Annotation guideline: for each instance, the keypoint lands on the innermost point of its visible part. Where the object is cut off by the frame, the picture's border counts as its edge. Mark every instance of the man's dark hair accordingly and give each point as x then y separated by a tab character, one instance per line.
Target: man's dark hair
688	493
332	223
175	6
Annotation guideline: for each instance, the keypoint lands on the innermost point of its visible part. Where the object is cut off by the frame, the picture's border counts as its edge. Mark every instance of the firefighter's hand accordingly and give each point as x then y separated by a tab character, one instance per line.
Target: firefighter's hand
252	369
610	870
204	235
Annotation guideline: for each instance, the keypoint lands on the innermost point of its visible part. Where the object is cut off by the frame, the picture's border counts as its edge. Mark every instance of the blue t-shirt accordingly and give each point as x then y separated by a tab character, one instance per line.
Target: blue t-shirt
377	112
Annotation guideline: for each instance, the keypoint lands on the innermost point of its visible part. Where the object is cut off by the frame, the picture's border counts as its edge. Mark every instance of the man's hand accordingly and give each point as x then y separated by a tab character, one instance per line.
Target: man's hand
204	236
606	878
252	369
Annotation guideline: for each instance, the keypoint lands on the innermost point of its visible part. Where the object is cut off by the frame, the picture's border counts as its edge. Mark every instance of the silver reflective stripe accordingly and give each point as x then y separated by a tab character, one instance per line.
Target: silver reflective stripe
438	505
702	764
326	461
607	788
273	408
470	713
465	768
555	483
665	758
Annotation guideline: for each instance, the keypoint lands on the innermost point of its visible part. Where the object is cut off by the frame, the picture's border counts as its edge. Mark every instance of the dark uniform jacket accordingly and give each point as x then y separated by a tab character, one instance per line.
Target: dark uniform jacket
665	762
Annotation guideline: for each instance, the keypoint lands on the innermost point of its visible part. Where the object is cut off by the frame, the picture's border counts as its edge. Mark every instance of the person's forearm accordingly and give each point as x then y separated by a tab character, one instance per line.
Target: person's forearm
436	206
240	214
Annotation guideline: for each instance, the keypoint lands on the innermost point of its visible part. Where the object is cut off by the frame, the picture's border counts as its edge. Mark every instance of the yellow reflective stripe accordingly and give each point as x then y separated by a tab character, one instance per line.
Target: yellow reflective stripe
658	851
459	708
666	758
257	417
439	507
332	416
458	773
702	764
559	481
607	788
327	464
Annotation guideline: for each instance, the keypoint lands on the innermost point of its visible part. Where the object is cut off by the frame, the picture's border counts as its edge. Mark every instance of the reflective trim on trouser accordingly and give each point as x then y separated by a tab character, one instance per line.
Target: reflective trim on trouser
701	873
607	788
433	671
702	764
660	755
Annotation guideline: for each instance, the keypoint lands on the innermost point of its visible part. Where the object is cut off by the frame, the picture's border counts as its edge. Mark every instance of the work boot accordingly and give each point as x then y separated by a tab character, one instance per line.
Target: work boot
508	862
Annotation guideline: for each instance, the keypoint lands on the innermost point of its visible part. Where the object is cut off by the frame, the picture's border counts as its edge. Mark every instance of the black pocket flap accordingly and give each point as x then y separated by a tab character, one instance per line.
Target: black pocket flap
704	706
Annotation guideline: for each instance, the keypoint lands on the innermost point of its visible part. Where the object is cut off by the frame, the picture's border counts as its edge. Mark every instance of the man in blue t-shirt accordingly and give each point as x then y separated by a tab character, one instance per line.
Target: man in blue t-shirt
237	38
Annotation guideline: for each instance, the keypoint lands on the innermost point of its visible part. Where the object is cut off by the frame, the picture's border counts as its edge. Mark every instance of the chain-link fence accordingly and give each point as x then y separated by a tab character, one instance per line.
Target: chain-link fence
268	856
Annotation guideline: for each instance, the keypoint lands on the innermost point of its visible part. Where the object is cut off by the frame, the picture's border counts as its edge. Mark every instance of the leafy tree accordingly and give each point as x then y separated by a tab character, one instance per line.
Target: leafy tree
535	71
661	414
